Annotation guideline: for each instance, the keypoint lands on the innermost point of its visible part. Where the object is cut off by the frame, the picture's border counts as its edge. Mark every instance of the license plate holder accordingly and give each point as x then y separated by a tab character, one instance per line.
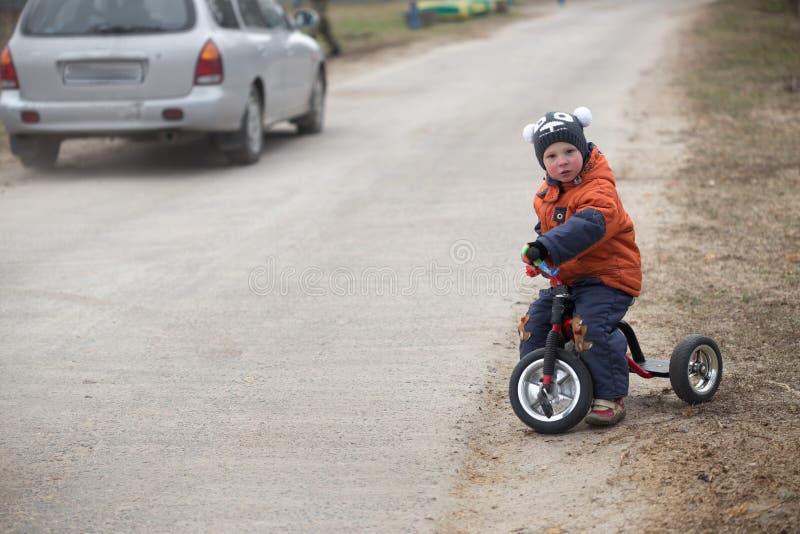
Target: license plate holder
103	73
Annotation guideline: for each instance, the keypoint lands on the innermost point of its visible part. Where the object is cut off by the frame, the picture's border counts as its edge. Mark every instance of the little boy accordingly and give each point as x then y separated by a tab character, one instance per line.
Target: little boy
584	231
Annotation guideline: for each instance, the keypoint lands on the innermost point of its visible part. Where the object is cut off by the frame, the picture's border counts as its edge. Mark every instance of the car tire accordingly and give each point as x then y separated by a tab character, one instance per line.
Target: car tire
36	151
248	141
312	122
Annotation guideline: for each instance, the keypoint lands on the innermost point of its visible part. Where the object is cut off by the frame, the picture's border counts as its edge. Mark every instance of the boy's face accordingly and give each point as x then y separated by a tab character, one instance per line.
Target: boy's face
562	161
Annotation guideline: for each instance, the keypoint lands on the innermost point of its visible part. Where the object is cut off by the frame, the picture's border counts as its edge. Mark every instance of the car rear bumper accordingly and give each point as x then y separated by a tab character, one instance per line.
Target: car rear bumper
210	109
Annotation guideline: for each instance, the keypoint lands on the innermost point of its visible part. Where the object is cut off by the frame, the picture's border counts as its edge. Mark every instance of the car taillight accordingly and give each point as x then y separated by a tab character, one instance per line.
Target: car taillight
209	65
8	76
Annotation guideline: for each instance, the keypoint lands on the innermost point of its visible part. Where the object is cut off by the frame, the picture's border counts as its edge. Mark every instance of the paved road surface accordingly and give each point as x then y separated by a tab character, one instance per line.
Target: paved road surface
302	344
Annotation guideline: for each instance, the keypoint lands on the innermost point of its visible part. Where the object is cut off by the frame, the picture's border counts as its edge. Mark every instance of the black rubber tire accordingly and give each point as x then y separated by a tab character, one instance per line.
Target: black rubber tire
249	139
695	369
312	122
36	152
573	377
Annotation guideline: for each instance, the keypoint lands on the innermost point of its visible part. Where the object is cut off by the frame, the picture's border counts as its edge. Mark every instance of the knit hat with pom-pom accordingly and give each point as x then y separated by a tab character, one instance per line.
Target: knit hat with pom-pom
558	126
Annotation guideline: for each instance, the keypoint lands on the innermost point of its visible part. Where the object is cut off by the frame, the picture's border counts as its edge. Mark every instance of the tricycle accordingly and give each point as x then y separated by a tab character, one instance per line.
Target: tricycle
551	388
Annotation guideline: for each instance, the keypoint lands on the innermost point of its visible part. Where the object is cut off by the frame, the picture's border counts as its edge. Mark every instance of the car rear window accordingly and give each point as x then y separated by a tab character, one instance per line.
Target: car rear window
112	17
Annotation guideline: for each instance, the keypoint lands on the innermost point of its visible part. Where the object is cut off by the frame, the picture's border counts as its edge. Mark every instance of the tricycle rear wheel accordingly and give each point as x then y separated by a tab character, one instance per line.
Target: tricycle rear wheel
695	369
572	392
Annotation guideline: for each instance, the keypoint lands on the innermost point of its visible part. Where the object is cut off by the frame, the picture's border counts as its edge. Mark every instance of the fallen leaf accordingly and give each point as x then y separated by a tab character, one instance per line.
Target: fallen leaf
739	509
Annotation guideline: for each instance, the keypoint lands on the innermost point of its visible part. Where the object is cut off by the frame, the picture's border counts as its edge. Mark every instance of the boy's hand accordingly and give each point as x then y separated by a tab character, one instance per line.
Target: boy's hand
533	251
532	271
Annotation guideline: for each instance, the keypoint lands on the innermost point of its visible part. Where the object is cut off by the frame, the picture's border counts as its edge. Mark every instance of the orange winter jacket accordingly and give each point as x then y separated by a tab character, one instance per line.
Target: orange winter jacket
586	230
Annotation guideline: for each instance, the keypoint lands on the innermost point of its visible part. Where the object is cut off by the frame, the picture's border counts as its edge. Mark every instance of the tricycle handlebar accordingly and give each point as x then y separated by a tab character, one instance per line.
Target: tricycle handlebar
546	271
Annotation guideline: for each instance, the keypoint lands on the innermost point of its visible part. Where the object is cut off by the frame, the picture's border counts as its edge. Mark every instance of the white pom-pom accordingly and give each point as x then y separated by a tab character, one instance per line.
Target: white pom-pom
527	133
584	115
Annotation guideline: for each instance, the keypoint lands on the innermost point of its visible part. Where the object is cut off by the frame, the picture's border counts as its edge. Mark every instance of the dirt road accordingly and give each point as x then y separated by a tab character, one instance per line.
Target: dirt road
322	341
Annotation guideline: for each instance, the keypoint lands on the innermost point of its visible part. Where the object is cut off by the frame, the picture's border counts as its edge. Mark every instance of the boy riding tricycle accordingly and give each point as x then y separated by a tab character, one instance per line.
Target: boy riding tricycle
573	362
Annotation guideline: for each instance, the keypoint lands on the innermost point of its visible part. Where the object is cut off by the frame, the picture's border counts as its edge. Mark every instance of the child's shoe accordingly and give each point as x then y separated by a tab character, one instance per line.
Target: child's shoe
606	412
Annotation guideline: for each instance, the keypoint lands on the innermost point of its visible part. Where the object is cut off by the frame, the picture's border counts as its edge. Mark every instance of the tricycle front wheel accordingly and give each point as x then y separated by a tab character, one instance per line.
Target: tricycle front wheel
695	369
571	394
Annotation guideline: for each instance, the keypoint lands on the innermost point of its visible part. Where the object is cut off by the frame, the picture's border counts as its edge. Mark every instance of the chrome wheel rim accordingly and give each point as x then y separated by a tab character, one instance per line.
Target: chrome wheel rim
703	369
565	394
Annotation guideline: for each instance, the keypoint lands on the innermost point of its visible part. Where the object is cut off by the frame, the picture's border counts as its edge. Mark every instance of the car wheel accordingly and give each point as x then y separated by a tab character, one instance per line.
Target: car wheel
312	122
249	139
36	152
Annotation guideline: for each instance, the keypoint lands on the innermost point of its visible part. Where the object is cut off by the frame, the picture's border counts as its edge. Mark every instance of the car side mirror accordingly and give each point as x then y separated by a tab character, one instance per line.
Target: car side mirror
306	19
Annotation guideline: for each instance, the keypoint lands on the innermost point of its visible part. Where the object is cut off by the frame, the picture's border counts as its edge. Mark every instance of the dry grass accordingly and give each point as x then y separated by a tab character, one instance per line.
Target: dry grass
733	465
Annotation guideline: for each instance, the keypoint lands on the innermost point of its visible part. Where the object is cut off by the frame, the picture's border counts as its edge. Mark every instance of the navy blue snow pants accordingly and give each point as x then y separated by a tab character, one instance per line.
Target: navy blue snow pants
601	308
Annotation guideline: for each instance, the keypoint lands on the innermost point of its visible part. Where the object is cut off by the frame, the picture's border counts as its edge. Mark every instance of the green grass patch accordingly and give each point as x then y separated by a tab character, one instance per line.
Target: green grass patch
365	26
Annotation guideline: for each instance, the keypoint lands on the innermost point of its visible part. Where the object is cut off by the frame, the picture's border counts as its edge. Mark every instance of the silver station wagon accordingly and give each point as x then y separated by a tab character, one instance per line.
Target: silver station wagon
158	68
